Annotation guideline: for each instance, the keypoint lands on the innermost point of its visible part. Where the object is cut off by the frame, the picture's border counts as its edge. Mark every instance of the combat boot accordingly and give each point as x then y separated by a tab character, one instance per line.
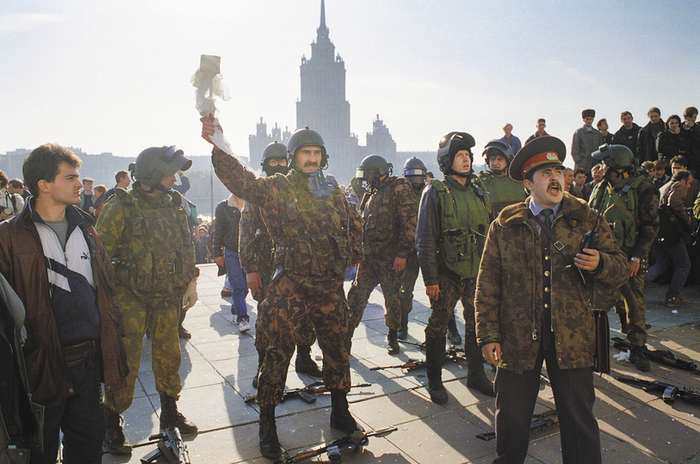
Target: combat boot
269	443
476	377
434	359
261	358
637	358
452	332
115	442
304	363
341	419
171	417
402	333
392	342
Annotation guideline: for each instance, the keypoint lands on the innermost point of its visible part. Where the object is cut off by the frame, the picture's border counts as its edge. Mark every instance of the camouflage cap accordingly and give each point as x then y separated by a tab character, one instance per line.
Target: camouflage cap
544	151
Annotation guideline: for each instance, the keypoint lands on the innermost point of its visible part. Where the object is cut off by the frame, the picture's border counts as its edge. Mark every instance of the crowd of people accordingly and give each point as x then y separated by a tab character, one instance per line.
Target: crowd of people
87	272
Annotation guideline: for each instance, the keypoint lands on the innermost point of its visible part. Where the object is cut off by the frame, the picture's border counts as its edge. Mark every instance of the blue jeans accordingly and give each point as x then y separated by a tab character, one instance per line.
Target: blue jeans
665	257
239	288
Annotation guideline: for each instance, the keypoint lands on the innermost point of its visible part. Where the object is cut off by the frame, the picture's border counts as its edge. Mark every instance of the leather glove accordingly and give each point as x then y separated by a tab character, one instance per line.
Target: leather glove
190	296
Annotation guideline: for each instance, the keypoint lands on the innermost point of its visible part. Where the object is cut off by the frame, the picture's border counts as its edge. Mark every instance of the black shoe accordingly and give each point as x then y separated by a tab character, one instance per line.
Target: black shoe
269	443
438	394
171	417
476	377
305	364
453	333
637	358
392	342
341	419
115	442
402	333
434	359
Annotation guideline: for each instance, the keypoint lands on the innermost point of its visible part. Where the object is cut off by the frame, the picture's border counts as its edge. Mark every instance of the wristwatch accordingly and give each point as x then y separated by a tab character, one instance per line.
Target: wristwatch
634	259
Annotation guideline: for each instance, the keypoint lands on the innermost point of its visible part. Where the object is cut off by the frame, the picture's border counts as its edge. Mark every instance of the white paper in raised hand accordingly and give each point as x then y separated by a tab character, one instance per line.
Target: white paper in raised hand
209	84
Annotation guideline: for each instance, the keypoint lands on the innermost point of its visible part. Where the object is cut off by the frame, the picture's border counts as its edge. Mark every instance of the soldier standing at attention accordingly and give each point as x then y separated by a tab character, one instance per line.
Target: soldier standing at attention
502	189
454	216
389	212
415	173
145	232
631	206
532	305
257	254
316	235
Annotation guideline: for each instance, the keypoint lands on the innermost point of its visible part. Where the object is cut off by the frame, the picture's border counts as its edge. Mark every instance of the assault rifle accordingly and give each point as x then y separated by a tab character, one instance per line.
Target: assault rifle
539	422
451	354
305	393
661	356
170	445
349	443
669	392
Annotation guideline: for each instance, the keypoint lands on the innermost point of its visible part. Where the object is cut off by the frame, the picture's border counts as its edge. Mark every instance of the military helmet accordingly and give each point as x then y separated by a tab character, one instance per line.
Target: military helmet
498	147
276	151
449	145
154	163
306	137
373	167
414	171
615	156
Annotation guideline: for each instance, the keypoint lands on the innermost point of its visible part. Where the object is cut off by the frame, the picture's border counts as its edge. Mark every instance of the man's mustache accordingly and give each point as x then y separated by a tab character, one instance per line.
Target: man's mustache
310	163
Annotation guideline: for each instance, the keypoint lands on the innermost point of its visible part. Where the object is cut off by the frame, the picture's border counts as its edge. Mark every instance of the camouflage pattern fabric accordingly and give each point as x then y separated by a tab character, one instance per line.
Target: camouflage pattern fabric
633	291
509	289
409	275
286	308
451	291
161	317
369	274
503	191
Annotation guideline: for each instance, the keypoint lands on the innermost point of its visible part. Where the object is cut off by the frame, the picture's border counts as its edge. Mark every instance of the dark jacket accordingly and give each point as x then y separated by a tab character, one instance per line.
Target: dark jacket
628	138
669	144
226	224
22	263
646	143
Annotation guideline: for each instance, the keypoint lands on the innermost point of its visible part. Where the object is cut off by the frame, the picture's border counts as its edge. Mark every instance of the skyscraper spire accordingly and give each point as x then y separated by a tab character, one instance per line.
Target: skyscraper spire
322	30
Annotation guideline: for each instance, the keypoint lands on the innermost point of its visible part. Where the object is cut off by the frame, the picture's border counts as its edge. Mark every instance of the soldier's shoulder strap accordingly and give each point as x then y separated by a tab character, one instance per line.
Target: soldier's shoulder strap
439	186
125	197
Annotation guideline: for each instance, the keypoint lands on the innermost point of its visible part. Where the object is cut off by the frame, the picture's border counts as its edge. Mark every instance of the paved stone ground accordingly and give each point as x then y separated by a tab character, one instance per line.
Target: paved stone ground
219	364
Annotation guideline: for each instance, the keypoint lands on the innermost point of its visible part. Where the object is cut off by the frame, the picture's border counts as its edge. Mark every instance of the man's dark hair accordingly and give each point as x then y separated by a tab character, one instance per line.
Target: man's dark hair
680	159
541	120
578	171
119	175
42	164
625	113
681	174
690	111
3	180
660	164
16	183
600	122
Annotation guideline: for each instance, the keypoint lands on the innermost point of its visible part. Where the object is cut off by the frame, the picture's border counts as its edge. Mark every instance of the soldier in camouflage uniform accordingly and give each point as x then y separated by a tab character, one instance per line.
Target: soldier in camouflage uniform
389	216
453	219
415	172
524	281
630	204
145	232
502	189
316	236
256	255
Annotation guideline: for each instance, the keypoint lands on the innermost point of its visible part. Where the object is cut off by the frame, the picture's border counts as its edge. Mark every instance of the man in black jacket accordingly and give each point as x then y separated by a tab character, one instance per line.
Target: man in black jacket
628	134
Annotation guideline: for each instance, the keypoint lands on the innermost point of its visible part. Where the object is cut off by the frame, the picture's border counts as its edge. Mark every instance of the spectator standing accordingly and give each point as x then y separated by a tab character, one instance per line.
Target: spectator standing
673	141
541	124
660	177
586	140
17	186
123	180
690	115
646	142
628	134
10	203
512	141
602	126
87	197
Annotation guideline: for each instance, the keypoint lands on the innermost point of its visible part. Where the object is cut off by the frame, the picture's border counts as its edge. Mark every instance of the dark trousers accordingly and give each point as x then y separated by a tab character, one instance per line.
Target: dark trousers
80	417
573	395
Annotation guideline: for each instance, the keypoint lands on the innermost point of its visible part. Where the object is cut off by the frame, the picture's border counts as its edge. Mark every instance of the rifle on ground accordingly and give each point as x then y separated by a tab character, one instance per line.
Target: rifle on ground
410	365
452	353
306	393
170	445
539	422
669	392
354	442
661	356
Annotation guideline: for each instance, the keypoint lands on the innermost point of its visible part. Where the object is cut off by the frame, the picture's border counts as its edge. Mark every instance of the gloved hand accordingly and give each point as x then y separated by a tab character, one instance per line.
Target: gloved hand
190	296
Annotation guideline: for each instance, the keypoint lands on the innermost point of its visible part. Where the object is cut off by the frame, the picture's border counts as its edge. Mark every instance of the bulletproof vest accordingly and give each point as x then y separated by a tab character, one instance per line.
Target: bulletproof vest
157	257
379	216
503	191
465	215
314	245
619	208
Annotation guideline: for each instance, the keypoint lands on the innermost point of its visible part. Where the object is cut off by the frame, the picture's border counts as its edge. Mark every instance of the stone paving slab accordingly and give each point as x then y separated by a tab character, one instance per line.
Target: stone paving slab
219	363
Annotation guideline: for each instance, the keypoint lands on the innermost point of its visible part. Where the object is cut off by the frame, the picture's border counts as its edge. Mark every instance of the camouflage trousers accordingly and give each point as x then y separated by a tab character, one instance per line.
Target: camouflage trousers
369	275
633	291
451	292
408	282
161	317
305	336
285	309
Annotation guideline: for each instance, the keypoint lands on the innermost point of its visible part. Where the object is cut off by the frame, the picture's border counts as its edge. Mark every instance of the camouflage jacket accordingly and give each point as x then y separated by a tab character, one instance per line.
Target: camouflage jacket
149	242
389	215
255	250
632	210
509	292
316	240
503	191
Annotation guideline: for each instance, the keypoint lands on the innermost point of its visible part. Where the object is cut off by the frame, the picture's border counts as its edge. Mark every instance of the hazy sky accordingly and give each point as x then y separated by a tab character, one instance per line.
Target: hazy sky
114	76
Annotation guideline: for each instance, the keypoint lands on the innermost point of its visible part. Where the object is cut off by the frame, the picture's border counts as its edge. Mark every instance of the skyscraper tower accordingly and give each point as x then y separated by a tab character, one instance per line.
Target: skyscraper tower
323	106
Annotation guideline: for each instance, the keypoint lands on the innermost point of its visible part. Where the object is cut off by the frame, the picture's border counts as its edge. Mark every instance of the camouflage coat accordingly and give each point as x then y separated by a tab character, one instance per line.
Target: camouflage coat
509	293
389	216
255	250
316	240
